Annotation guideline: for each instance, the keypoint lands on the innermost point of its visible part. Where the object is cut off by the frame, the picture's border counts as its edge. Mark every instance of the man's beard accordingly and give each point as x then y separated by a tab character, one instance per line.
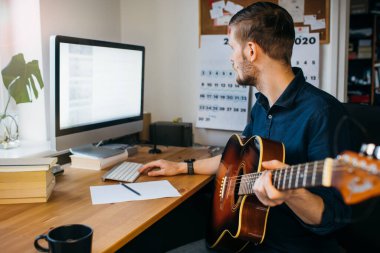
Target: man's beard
249	74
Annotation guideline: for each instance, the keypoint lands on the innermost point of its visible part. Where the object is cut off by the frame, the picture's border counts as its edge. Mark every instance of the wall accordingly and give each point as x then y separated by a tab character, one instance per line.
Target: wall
20	32
169	30
334	56
93	19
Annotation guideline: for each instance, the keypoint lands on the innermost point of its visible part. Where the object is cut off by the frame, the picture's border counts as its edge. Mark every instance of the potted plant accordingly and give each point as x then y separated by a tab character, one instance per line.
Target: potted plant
21	80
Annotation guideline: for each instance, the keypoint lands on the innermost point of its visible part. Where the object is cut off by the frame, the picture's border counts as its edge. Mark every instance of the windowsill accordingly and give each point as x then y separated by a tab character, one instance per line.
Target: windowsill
28	149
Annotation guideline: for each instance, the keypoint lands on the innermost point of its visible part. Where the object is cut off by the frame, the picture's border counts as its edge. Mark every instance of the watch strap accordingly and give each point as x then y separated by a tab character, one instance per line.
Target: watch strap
190	166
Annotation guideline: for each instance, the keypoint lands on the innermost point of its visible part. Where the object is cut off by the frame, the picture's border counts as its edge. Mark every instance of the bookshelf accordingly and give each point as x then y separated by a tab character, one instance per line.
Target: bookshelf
364	54
376	62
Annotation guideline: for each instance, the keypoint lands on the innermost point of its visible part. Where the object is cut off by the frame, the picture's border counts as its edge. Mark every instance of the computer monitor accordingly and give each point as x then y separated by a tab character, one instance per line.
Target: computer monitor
96	91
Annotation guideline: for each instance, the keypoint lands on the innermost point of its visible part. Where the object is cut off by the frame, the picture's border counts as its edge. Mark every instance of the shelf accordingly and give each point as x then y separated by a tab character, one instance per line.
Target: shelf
28	149
360	59
359	86
359	99
364	41
355	37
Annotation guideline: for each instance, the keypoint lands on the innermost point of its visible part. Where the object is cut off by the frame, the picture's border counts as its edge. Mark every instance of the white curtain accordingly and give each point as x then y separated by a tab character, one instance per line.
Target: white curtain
20	32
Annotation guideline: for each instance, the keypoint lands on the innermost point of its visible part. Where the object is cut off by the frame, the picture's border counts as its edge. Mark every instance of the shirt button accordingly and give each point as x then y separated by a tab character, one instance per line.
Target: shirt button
269	116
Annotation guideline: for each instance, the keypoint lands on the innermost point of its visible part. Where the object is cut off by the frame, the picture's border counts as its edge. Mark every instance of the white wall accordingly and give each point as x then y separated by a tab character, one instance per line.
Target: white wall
169	30
20	32
333	68
92	19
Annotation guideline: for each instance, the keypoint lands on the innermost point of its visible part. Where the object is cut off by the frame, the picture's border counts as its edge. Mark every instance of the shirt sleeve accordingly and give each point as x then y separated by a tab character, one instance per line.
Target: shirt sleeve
335	215
326	136
324	142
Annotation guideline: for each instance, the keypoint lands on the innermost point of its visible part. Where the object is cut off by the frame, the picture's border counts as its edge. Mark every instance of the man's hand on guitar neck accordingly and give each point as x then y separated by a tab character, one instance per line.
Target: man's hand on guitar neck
306	205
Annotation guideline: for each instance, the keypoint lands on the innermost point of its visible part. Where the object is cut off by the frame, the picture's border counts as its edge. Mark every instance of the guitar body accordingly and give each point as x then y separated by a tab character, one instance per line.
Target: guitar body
237	220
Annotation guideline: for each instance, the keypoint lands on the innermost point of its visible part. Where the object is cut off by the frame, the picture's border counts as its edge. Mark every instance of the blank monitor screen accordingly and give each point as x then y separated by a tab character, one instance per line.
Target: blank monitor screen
98	90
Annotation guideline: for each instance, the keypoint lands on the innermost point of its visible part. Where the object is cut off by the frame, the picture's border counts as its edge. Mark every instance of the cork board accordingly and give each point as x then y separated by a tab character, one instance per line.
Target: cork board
319	8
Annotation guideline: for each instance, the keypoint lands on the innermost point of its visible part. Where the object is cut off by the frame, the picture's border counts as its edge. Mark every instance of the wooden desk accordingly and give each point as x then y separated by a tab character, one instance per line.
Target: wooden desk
114	224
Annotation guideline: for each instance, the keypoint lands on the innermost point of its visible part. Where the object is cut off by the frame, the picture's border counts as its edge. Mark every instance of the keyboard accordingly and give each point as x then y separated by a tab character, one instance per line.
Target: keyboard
126	172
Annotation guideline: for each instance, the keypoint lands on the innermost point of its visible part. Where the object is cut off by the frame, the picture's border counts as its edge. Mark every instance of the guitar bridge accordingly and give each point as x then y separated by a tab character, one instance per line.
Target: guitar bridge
223	188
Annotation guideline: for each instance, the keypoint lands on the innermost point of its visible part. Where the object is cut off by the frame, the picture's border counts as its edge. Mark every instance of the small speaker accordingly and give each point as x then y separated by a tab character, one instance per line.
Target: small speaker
144	134
171	134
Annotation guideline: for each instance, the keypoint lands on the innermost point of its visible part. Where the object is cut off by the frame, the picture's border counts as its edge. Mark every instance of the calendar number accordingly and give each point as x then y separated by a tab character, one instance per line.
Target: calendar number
305	41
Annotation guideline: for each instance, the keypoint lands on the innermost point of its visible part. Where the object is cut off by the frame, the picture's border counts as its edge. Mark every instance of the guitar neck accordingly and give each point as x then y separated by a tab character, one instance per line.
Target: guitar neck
292	177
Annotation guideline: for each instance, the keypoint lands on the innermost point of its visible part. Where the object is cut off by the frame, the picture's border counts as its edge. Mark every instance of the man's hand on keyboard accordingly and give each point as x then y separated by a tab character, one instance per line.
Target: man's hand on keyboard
164	168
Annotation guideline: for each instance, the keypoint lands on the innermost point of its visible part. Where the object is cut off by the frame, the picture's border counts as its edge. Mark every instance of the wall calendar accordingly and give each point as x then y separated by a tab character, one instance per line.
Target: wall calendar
306	56
223	104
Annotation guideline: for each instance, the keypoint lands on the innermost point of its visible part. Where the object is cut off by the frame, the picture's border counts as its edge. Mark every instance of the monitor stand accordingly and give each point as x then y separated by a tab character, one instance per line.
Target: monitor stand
155	150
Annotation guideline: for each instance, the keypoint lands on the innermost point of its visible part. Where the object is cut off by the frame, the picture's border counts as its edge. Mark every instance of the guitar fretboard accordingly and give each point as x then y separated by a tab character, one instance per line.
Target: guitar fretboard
291	177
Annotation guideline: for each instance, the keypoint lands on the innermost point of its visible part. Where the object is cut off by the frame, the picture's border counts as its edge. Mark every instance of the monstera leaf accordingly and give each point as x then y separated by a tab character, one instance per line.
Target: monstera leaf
18	79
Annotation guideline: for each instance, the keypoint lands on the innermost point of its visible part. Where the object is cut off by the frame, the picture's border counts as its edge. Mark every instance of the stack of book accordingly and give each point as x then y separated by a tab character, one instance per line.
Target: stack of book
364	49
26	180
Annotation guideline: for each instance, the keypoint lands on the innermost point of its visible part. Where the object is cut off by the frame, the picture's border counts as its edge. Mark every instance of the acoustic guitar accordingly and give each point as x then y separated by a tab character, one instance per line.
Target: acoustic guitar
239	218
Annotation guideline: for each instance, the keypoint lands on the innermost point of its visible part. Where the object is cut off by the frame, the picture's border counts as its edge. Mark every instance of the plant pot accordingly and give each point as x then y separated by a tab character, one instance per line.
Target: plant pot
9	135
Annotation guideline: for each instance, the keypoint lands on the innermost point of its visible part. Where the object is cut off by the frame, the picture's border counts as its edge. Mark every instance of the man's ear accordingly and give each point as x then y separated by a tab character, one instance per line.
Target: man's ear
251	52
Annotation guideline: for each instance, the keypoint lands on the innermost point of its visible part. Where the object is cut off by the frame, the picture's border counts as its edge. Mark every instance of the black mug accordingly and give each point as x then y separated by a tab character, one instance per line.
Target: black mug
67	239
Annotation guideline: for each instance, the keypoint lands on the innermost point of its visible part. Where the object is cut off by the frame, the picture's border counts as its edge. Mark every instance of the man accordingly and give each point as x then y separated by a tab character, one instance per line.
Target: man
288	110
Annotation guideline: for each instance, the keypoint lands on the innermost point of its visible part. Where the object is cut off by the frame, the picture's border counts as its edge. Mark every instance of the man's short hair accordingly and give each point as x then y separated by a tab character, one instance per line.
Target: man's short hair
268	25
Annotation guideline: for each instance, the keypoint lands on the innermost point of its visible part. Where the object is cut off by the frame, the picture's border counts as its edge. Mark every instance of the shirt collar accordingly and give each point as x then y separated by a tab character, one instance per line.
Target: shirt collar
288	96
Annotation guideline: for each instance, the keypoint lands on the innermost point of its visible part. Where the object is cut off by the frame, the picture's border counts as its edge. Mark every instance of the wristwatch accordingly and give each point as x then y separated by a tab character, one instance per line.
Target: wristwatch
190	166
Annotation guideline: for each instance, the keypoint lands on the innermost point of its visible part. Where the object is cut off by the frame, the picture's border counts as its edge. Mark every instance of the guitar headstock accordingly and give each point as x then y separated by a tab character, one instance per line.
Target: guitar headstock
357	175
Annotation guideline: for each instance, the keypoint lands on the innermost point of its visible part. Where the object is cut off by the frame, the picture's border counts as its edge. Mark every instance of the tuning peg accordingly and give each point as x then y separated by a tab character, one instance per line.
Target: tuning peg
376	153
363	149
370	148
367	149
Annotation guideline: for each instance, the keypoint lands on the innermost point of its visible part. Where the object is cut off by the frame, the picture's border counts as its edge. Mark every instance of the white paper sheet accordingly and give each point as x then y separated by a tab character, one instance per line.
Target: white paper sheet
216	13
232	7
318	24
302	29
225	20
309	19
296	8
218	5
117	193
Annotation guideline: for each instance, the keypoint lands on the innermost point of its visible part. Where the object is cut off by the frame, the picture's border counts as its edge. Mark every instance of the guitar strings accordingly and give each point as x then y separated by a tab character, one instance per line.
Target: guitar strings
283	176
309	172
285	170
251	178
308	176
248	180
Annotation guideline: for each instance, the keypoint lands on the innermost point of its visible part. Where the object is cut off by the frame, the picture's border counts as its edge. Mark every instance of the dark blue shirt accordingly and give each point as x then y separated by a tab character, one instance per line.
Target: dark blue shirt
305	119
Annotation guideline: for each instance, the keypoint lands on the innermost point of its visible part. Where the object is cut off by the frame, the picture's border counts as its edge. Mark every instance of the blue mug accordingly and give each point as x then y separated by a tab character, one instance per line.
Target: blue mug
66	239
